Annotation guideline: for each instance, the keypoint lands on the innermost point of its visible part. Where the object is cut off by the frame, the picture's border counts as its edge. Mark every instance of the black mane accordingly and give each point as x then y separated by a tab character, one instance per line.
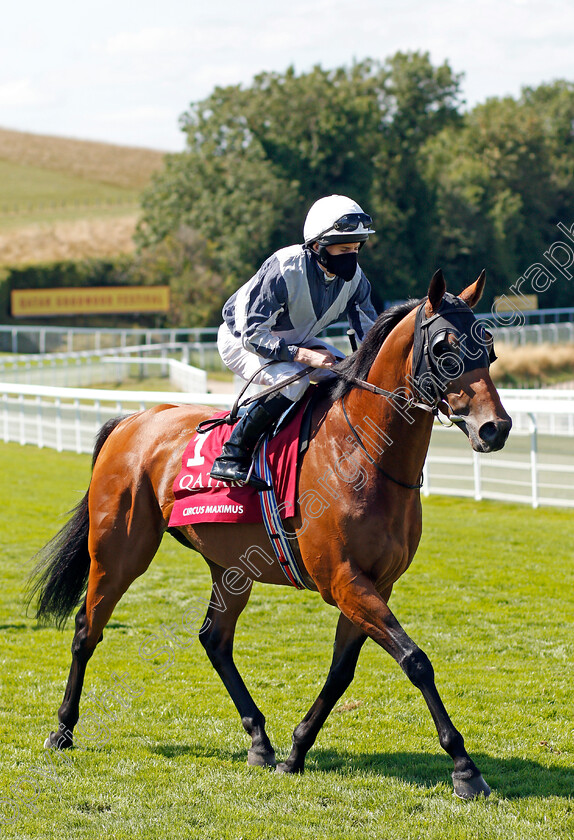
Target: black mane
359	363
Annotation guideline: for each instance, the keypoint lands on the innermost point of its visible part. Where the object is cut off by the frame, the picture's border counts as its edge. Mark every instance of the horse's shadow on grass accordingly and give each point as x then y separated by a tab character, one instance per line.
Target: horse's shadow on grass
199	751
510	778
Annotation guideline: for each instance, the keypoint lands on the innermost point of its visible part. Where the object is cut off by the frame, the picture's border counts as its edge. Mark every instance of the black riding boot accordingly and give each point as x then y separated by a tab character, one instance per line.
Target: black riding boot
234	462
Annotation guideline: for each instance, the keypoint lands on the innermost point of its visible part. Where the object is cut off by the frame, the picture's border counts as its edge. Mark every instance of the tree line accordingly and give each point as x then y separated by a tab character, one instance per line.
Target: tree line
449	188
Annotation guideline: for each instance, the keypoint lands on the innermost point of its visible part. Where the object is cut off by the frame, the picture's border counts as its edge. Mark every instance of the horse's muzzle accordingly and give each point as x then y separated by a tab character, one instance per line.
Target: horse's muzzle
494	434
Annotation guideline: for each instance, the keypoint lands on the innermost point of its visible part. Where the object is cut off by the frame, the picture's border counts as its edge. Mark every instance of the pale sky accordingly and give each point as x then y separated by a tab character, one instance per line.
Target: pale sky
123	71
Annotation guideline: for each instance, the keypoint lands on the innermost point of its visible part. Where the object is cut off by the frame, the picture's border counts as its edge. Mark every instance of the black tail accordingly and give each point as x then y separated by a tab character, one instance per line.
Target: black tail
60	576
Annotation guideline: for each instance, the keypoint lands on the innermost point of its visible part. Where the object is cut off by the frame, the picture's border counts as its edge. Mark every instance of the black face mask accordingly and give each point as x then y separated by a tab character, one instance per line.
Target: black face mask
343	265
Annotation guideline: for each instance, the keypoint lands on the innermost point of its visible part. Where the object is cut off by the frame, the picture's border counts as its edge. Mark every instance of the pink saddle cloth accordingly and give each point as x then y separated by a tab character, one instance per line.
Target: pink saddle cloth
199	498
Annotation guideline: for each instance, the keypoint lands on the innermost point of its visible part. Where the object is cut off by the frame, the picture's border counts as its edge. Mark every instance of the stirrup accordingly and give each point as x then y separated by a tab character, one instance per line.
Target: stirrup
235	474
257	481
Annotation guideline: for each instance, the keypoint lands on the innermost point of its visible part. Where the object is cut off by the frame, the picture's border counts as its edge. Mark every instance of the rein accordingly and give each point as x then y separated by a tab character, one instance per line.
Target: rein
436	399
410	402
232	417
207	425
416	486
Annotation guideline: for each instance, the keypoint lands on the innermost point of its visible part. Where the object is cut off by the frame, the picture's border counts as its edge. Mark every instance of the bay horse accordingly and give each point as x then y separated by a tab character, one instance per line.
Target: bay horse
363	541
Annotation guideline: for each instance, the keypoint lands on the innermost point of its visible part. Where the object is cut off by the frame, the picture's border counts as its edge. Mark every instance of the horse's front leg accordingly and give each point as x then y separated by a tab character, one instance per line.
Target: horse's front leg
216	636
348	643
357	598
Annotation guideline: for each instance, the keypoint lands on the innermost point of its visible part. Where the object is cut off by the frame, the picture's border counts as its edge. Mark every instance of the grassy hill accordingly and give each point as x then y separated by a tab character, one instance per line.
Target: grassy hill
63	198
120	166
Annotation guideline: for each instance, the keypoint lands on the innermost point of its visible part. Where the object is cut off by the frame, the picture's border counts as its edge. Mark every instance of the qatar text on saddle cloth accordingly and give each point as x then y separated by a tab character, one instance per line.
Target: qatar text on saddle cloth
199	498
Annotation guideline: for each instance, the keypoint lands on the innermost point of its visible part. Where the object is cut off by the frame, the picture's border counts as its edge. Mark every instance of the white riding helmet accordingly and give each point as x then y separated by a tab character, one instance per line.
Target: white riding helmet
336	218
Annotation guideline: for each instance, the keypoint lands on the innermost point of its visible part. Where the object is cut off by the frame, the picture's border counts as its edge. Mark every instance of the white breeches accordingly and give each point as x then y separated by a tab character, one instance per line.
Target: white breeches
245	364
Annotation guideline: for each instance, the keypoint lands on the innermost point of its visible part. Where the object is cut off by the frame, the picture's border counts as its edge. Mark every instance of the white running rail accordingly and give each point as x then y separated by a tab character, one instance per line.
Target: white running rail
69	418
536	466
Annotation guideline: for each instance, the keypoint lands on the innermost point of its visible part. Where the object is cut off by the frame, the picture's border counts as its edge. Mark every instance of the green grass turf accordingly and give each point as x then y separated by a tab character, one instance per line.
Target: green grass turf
489	598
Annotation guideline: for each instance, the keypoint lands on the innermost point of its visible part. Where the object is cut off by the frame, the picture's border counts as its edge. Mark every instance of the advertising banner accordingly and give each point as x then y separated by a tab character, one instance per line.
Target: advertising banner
97	300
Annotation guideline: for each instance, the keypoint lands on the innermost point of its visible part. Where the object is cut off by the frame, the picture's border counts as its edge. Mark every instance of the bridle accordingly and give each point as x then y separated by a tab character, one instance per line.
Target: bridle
430	375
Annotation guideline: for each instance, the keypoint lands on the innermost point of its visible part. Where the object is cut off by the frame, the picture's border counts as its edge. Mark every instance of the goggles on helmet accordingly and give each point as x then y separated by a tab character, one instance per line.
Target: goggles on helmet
348	223
351	222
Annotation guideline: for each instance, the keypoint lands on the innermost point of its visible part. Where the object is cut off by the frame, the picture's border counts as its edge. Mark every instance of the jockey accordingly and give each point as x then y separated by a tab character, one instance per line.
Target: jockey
276	316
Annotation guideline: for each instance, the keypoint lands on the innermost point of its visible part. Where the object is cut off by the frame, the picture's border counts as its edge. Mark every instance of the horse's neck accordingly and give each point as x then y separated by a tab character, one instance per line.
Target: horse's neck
401	434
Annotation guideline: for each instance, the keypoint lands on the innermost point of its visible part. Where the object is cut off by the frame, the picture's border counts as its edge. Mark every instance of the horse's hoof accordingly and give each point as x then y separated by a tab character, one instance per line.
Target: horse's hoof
470	788
57	741
287	768
260	759
51	742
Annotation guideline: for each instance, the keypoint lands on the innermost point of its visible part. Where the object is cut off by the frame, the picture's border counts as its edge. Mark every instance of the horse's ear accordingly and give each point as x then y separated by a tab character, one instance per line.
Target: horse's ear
473	293
436	292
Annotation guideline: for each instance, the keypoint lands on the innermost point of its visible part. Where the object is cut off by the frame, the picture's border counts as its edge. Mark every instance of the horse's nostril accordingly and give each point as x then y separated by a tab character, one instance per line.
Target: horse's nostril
488	432
494	433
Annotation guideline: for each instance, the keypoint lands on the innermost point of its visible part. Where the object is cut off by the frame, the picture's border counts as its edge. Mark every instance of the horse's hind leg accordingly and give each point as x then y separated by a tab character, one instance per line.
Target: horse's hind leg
68	712
216	636
119	554
348	643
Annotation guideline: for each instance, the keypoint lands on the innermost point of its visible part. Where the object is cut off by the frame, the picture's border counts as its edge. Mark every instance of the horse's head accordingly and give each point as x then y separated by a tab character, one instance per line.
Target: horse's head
451	359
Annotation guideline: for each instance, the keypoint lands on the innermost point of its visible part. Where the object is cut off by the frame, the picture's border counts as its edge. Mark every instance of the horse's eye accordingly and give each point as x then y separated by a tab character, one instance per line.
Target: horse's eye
487	340
447	351
444	343
440	348
454	345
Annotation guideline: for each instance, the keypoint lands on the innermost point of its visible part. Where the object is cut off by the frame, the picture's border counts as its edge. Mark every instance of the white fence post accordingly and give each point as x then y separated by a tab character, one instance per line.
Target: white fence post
5	417
21	418
534	458
58	424
426	479
477	476
39	424
78	426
